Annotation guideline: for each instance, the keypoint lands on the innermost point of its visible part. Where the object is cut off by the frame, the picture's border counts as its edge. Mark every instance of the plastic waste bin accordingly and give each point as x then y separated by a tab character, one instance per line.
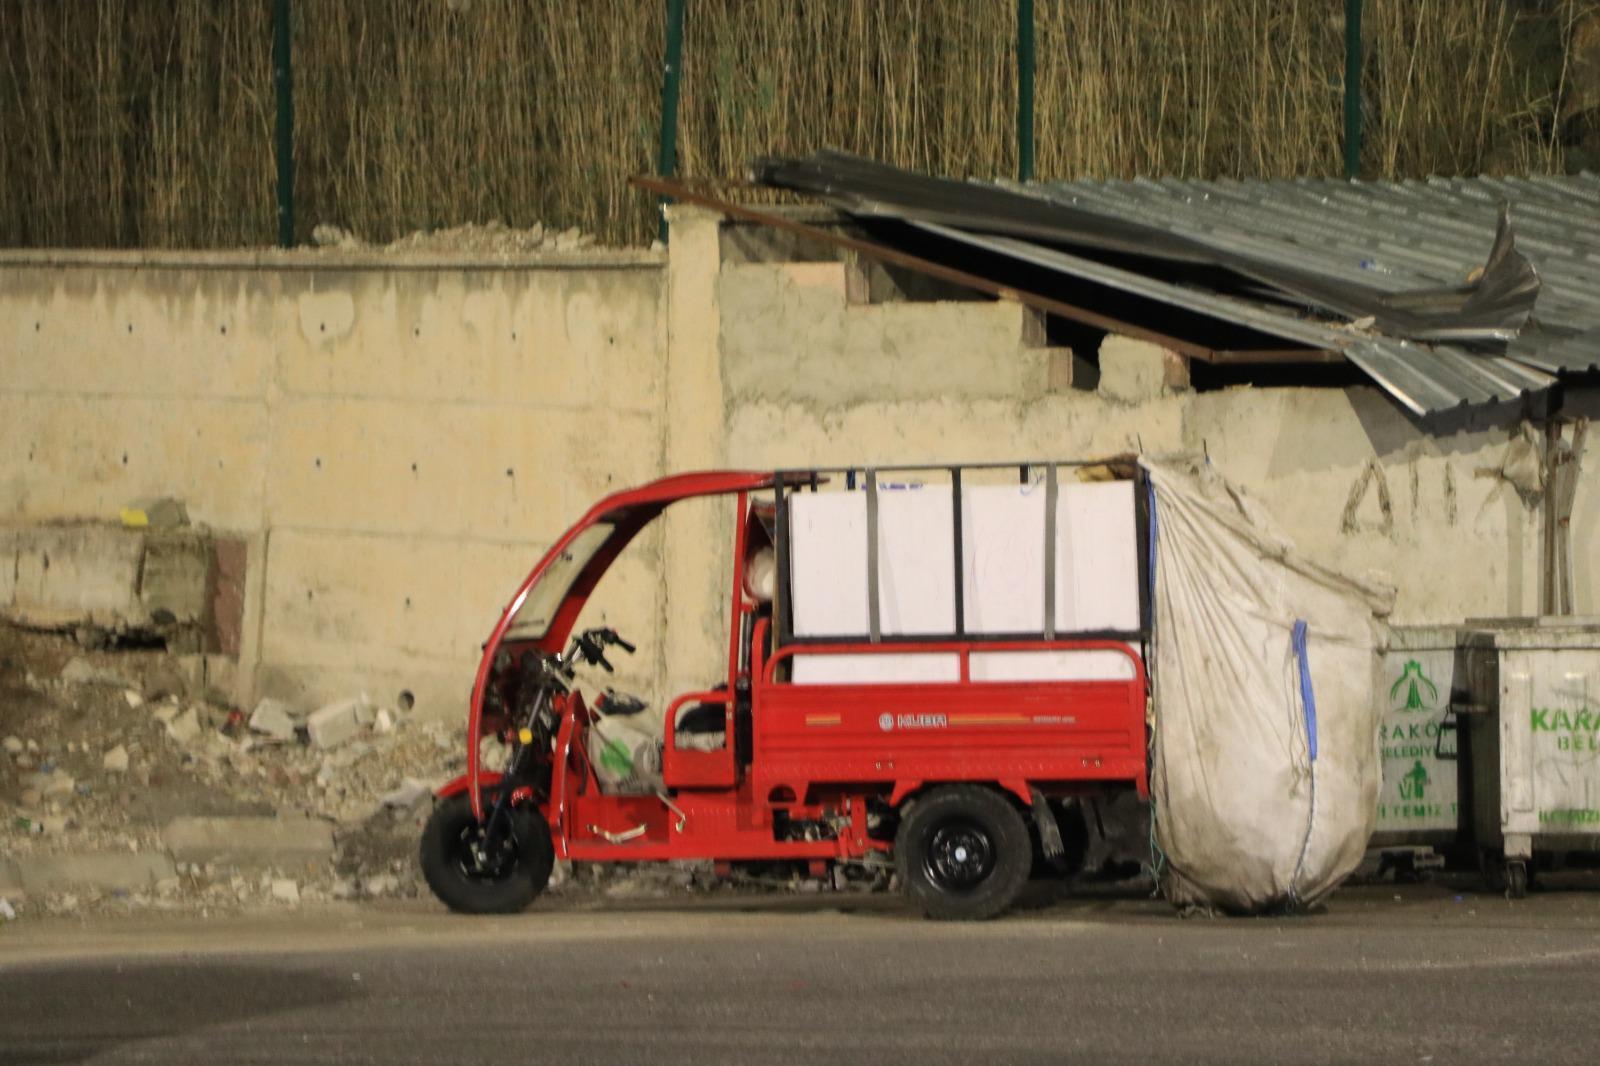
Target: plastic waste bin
1532	696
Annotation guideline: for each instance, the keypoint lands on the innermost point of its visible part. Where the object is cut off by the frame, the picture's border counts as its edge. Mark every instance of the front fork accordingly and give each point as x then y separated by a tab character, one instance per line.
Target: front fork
519	780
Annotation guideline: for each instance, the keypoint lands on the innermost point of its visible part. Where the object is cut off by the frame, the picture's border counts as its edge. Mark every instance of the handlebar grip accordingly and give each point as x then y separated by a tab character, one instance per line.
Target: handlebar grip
606	663
624	645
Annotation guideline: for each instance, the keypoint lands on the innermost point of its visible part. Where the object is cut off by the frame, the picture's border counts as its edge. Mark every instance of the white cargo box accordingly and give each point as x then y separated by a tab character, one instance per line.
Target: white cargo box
1003	560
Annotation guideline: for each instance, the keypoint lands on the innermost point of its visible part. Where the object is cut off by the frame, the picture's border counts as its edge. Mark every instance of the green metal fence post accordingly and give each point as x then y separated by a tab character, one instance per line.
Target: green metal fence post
1352	88
1024	90
283	79
667	161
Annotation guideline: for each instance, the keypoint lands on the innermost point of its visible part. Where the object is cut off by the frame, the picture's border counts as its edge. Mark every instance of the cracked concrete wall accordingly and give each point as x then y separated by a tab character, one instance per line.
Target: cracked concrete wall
811	377
396	439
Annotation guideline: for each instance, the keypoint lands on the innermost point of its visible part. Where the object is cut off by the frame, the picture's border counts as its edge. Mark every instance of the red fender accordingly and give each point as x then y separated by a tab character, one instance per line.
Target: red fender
1016	787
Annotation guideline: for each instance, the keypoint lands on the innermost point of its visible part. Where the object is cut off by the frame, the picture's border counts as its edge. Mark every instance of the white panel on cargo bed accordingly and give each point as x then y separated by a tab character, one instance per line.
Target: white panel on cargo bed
1097	557
829	563
889	668
1002	540
916	560
1047	664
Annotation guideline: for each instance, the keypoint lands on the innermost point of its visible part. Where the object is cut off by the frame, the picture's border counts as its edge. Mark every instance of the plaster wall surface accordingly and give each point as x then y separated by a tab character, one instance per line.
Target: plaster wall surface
397	440
1345	473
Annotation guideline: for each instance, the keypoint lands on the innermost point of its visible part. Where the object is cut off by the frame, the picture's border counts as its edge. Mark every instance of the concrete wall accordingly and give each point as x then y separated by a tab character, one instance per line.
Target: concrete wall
398	440
810	377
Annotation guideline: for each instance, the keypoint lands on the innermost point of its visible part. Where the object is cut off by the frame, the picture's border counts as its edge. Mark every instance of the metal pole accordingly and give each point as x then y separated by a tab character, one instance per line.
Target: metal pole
1025	90
672	73
1352	88
283	79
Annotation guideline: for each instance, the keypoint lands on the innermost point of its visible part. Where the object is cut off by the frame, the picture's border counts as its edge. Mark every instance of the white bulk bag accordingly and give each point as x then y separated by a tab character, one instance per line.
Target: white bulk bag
1245	818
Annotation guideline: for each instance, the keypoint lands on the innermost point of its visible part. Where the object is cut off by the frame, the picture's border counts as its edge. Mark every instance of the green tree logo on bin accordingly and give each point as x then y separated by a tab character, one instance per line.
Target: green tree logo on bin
1414	785
1421	694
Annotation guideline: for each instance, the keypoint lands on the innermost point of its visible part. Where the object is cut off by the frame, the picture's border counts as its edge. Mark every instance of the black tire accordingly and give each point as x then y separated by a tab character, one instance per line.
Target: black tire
1516	879
517	874
962	853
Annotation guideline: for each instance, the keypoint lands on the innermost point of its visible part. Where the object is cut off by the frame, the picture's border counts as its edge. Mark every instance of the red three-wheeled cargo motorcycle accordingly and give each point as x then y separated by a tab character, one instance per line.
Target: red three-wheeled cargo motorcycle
926	668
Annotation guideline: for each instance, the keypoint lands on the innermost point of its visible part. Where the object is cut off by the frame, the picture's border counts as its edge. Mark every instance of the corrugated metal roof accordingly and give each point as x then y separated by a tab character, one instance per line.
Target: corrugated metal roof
1393	236
1312	254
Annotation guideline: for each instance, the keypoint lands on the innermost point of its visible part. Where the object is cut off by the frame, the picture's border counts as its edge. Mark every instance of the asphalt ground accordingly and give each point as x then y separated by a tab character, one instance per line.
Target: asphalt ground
1416	973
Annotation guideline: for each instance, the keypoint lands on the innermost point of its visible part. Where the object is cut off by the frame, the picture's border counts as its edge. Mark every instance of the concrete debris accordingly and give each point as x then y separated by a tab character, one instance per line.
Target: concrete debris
184	727
8	913
104	870
1523	466
51	784
80	671
95	792
273	718
285	890
410	793
336	723
490	237
249	842
155	512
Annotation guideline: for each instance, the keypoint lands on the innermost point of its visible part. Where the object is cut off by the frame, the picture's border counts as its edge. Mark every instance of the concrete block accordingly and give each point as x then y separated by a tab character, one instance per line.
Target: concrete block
1061	366
184	727
104	870
248	842
173	578
336	723
1132	371
102	575
66	574
274	719
80	671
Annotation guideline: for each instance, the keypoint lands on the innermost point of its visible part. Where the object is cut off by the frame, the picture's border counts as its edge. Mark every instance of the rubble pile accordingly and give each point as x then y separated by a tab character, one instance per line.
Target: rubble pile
492	238
114	768
127	784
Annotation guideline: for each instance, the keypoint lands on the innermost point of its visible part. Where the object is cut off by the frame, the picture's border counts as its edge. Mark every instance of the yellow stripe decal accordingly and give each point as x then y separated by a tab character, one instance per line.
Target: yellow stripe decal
822	719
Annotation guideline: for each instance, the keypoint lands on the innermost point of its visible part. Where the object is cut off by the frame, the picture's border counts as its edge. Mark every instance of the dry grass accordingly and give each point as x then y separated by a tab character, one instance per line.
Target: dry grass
149	122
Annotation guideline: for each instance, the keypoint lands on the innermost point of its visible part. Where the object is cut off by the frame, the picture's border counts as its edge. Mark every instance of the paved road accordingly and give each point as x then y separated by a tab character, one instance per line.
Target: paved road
1427	977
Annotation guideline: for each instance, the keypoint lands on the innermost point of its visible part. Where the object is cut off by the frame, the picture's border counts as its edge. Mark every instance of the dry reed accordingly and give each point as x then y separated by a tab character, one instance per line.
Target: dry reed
149	122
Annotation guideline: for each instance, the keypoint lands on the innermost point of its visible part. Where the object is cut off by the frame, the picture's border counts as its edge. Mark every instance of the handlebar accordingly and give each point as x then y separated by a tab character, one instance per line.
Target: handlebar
591	645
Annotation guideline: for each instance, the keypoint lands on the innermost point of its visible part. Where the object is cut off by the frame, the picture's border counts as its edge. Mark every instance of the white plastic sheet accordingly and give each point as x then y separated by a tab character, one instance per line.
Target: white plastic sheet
1245	818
